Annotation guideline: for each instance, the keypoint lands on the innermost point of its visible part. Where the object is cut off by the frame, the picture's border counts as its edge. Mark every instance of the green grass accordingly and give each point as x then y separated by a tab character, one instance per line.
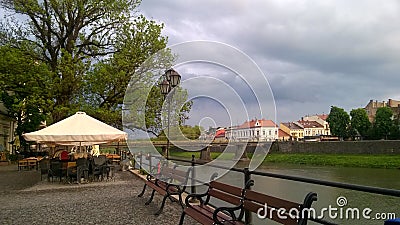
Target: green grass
341	160
347	160
185	155
188	155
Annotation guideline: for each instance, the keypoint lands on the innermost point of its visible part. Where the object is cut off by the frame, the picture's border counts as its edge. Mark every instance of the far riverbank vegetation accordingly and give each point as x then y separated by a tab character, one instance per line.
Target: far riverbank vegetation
340	160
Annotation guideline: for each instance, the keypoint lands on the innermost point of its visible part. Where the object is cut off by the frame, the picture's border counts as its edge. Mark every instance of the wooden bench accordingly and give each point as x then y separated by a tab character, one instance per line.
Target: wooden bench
168	182
277	209
243	200
205	213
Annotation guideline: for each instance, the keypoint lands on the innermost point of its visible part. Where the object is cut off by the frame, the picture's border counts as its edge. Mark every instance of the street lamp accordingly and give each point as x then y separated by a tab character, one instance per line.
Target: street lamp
171	80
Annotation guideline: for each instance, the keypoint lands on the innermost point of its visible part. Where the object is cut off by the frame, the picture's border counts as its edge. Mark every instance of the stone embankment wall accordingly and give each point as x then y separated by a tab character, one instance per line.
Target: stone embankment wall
339	147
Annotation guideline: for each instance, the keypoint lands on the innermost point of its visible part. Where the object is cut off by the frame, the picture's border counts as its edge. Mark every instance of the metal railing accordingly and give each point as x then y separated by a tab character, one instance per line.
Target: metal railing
247	176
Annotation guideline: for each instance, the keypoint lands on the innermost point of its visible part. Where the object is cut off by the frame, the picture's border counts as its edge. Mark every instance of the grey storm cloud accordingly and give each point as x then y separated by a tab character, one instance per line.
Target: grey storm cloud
314	53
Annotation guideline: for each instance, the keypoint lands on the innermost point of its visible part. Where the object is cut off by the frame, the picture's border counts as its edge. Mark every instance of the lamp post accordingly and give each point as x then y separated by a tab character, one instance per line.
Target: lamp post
171	80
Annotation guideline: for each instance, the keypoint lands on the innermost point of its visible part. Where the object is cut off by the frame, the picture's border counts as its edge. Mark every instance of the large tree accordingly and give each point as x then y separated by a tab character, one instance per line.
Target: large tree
93	48
359	122
383	122
69	35
395	130
24	88
339	121
134	64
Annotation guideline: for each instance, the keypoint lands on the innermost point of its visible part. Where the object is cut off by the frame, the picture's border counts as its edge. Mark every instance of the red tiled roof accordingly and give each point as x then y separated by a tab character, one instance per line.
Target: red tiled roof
310	124
220	133
261	123
282	133
292	126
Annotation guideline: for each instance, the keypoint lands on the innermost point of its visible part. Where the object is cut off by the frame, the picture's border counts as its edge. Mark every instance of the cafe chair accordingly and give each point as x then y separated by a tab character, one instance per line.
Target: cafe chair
99	167
72	172
54	170
82	165
44	165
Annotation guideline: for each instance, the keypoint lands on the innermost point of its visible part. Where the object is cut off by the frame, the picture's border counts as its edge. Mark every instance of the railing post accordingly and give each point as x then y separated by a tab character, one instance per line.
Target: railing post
247	213
149	155
134	160
140	162
193	182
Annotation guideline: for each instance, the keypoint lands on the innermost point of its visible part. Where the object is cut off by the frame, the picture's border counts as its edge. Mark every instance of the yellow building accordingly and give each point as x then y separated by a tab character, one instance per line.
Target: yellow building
294	129
7	128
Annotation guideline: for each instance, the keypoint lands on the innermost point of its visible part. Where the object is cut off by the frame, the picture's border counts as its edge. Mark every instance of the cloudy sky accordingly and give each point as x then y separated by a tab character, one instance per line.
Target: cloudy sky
315	54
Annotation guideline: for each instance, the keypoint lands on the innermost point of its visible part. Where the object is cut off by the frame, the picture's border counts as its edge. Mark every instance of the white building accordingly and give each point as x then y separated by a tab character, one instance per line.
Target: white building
254	130
321	119
312	128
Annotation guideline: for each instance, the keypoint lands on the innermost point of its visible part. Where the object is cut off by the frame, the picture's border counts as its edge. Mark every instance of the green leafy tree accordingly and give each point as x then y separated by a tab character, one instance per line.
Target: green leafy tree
105	86
24	88
359	122
94	50
192	133
150	112
383	122
395	131
188	132
68	36
339	121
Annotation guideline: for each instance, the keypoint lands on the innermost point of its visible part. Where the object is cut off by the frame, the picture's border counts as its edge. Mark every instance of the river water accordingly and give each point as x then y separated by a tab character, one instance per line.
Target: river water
374	206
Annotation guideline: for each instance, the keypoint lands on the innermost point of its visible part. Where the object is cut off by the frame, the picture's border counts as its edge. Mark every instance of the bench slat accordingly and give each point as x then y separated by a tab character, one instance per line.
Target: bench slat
198	216
204	213
175	174
160	190
177	178
226	188
270	200
235	200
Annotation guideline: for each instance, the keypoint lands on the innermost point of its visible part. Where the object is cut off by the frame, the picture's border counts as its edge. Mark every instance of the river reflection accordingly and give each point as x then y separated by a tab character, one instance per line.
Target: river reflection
327	196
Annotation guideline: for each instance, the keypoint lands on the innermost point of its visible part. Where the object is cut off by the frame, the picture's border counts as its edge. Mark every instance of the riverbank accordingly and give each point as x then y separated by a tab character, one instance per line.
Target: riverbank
318	159
342	160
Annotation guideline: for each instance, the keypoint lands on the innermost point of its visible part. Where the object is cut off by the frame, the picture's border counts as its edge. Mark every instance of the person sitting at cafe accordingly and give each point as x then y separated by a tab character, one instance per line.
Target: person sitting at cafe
64	156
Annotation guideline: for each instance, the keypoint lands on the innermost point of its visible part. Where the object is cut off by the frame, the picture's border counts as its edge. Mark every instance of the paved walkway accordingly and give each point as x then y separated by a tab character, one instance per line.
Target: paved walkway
24	199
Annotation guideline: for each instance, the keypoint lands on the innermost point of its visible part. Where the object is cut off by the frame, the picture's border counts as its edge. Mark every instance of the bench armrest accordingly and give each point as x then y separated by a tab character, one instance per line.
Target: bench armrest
170	189
230	211
197	196
154	176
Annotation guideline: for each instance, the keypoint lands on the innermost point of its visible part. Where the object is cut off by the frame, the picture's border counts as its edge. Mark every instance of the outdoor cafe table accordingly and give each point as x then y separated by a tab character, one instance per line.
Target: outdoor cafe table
29	163
114	158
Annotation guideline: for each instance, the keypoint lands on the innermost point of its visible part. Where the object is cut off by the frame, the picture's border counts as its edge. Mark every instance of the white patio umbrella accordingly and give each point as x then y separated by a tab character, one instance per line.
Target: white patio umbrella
78	129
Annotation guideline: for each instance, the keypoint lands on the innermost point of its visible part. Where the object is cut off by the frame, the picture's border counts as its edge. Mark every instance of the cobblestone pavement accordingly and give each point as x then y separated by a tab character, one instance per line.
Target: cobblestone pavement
24	199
